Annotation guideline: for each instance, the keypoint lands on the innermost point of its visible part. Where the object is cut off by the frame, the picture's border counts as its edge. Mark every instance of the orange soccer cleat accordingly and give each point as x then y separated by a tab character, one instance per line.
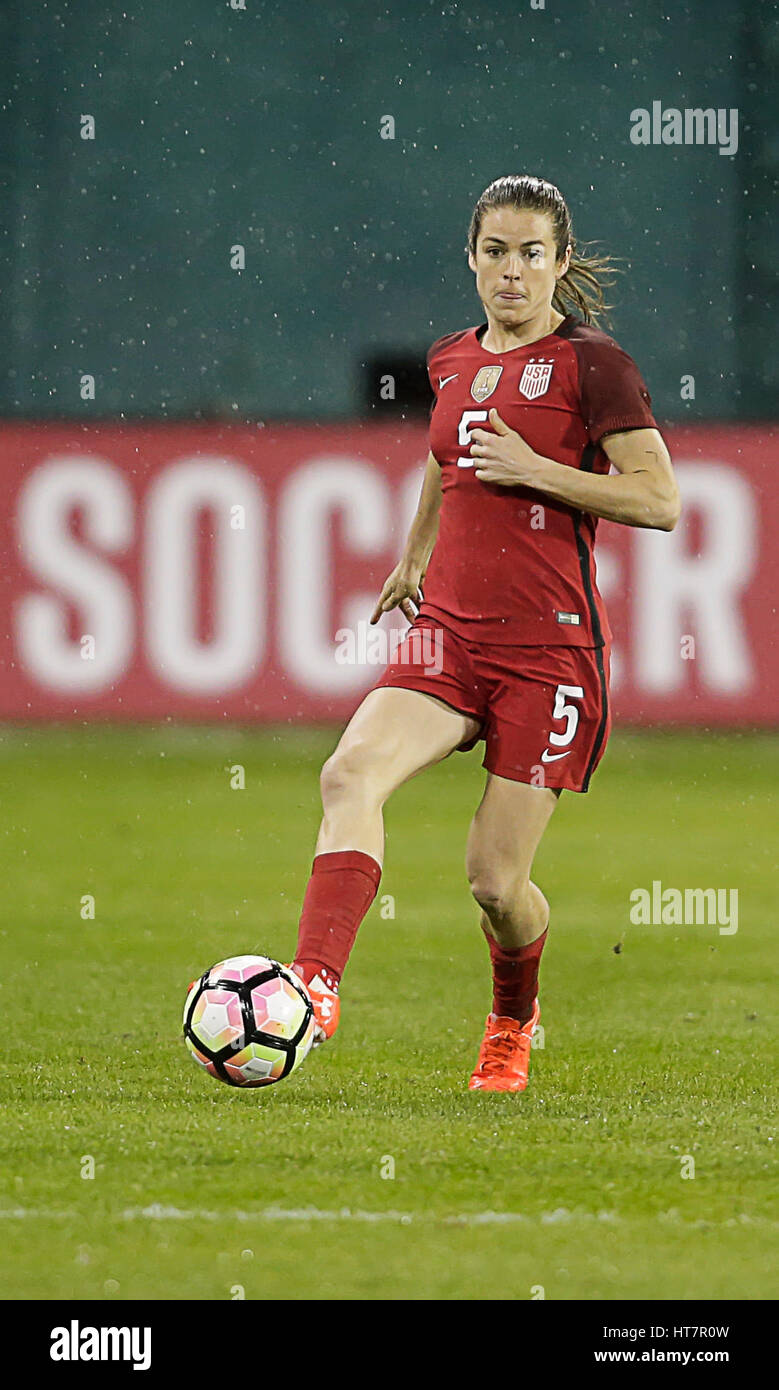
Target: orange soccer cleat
327	1006
504	1056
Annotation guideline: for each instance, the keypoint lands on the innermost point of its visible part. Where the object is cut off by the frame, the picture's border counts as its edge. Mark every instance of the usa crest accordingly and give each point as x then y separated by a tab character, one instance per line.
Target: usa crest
484	382
535	379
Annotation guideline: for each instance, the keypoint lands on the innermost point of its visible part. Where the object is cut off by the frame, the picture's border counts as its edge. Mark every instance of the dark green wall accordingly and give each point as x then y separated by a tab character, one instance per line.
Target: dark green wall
262	127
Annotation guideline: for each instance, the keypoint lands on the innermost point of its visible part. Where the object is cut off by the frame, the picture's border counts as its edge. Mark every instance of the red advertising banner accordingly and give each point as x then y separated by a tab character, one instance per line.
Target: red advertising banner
229	572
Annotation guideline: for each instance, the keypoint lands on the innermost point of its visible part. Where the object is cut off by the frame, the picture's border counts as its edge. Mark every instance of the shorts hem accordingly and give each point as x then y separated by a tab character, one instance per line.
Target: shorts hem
527	780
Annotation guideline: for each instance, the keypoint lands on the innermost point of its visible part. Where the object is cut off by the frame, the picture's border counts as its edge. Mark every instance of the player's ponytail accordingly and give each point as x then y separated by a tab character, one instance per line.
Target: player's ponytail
580	290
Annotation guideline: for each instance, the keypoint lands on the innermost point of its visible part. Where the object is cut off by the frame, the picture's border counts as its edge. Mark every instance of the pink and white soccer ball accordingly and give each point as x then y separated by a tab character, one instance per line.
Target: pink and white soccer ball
249	1021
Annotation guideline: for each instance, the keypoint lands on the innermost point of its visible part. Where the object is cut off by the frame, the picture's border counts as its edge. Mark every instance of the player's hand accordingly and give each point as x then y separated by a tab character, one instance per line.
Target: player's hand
401	590
503	456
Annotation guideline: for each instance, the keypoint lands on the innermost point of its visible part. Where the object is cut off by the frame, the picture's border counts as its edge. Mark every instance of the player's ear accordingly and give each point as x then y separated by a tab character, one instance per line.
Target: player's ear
472	261
563	265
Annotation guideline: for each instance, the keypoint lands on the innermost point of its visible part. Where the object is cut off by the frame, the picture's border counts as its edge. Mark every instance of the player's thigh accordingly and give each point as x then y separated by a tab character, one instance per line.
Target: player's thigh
393	735
505	834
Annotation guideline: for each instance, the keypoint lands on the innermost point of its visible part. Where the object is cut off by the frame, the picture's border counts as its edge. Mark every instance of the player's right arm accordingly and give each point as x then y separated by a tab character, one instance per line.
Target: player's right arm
401	588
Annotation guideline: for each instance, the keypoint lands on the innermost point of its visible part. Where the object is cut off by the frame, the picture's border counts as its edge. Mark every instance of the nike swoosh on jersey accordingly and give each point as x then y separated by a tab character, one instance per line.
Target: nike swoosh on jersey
442	380
547	757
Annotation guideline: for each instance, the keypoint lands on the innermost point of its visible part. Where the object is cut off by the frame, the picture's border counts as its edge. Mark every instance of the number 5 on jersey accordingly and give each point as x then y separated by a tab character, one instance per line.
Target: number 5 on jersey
568	712
468	418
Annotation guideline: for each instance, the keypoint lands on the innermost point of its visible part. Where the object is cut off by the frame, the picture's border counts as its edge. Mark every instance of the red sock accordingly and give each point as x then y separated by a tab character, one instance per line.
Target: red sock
515	977
340	890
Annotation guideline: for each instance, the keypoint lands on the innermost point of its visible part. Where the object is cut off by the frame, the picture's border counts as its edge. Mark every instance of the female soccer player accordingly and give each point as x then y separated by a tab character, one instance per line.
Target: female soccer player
511	641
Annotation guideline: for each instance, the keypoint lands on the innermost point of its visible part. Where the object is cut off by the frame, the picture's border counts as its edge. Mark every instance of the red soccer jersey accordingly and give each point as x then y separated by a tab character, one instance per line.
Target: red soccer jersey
511	565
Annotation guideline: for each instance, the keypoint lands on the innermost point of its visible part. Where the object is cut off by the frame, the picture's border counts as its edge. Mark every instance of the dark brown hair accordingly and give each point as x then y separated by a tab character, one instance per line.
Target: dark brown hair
581	288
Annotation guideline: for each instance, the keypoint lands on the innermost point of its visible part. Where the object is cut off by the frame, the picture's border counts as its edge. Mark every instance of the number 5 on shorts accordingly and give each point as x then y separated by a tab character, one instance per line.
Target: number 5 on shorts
569	713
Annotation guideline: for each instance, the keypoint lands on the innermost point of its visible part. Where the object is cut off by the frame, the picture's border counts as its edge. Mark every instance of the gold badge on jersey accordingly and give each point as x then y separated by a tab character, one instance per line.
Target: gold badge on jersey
484	382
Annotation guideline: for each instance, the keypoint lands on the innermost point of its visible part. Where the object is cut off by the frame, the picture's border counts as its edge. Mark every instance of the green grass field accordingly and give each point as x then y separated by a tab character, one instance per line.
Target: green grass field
201	1191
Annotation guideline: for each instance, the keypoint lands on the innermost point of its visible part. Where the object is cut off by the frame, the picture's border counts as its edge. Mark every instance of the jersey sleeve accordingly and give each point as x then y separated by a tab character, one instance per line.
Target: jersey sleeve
614	396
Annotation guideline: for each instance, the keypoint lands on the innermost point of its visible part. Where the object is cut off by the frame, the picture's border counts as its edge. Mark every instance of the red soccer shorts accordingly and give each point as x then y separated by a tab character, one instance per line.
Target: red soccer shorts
544	711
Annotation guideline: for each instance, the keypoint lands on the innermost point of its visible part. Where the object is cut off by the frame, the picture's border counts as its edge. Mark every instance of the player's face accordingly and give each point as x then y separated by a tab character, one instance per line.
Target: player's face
516	270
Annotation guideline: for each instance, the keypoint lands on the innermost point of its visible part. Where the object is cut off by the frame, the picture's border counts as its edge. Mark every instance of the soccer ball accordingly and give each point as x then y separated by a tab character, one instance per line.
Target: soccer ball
248	1021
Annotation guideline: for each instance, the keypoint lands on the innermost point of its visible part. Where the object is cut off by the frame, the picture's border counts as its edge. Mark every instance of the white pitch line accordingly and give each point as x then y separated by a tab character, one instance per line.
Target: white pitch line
38	1214
157	1212
561	1216
401	1218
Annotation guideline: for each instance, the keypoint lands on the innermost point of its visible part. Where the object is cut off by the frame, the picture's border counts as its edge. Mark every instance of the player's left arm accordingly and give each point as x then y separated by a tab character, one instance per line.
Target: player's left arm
643	491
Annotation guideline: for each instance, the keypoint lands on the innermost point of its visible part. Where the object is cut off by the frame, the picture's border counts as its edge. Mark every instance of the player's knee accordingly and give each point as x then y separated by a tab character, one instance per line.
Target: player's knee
496	890
346	774
504	895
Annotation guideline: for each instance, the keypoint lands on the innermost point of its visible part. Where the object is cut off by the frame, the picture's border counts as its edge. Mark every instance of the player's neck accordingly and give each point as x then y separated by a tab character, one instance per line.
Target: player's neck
499	338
